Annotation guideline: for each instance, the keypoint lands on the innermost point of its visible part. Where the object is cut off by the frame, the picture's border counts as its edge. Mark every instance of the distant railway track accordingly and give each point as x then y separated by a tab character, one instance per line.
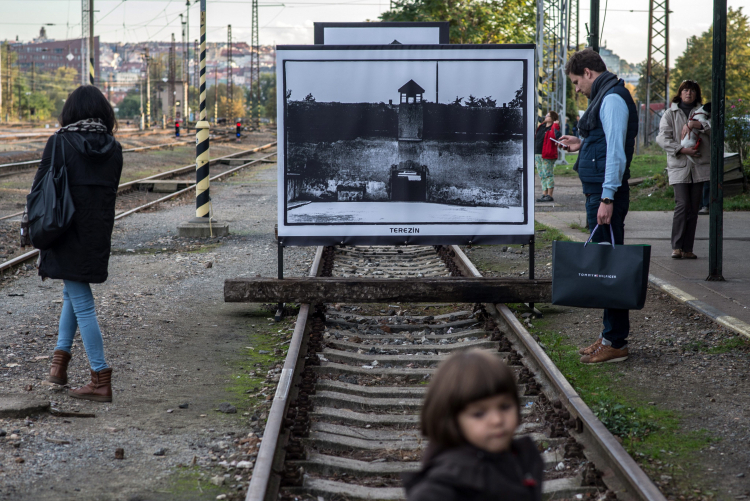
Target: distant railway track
344	421
127	187
10	169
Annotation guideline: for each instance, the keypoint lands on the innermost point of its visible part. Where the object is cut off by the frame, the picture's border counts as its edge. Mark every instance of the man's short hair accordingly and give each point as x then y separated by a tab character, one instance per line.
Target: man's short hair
582	59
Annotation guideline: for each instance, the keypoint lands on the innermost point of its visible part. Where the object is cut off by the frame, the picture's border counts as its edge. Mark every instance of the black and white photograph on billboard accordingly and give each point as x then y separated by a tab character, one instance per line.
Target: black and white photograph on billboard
403	144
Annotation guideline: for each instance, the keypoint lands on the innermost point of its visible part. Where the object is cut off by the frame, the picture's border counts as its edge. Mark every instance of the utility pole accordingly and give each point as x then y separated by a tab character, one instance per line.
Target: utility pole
197	72
552	55
33	83
718	88
187	66
216	94
594	26
255	66
574	10
147	59
657	82
171	85
9	67
84	41
140	96
230	90
184	77
92	52
1	80
202	198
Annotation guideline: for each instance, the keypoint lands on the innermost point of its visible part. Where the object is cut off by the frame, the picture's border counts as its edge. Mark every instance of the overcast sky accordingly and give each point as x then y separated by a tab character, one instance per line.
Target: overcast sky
291	22
378	82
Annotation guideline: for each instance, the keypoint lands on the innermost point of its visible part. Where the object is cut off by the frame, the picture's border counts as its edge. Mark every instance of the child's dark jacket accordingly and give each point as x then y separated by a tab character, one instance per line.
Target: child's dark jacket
470	474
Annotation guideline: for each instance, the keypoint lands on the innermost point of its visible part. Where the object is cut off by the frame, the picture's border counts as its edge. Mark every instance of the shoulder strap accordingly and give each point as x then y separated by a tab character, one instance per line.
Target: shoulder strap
54	146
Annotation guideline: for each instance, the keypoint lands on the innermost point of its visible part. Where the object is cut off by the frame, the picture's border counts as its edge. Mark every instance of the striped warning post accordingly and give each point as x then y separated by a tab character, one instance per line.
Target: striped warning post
202	197
91	71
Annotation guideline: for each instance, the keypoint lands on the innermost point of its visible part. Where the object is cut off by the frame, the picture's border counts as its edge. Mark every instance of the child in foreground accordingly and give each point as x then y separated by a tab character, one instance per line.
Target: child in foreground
470	416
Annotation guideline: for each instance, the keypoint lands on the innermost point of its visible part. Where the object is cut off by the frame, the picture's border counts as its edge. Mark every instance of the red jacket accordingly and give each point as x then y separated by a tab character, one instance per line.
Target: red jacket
549	149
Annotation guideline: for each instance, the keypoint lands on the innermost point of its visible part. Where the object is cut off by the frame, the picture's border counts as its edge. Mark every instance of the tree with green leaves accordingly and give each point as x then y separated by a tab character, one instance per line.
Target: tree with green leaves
695	62
472	21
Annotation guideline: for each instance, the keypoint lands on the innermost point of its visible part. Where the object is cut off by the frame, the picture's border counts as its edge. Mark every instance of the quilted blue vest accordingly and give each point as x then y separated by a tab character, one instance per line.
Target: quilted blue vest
592	159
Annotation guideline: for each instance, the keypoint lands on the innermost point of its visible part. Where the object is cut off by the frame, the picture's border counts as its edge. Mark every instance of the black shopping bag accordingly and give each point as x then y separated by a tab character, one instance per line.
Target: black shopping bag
590	275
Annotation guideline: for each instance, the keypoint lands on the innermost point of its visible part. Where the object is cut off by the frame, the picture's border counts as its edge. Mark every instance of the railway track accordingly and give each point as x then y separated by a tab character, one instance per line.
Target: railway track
13	168
125	208
344	421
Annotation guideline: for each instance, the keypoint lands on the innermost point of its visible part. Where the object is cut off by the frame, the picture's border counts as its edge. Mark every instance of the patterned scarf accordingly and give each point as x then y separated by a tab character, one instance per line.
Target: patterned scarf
88	125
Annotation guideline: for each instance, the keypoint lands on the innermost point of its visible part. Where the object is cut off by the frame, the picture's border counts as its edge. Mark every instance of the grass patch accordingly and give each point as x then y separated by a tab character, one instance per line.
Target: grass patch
647	165
188	483
653	436
546	234
582	229
736	343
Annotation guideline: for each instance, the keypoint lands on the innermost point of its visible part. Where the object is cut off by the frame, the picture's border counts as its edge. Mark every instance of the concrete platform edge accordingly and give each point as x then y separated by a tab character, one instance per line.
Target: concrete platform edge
728	321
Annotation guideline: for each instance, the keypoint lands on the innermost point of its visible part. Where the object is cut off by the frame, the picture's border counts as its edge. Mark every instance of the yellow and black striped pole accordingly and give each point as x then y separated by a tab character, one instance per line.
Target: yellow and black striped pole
91	43
201	135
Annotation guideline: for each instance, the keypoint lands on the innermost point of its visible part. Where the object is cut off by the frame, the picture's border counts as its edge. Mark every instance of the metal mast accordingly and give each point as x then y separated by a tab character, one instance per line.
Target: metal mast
92	50
230	86
186	57
657	60
84	42
172	76
255	67
574	10
552	54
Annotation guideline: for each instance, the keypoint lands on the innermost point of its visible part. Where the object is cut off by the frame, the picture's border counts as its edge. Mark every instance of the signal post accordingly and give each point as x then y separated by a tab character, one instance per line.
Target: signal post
202	225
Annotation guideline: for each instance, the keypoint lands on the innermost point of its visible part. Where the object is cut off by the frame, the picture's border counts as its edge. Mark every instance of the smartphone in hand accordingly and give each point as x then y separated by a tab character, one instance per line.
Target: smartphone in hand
562	145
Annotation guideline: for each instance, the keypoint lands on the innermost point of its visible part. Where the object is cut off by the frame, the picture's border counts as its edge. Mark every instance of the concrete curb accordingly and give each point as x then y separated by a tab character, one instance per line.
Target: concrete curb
730	322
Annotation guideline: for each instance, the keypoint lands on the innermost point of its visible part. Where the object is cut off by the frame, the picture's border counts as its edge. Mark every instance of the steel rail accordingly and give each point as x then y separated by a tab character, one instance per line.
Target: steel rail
33	253
258	490
180	170
626	470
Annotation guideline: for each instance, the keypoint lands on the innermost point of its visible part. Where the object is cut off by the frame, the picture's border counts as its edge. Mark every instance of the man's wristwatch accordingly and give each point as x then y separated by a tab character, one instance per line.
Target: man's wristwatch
607	201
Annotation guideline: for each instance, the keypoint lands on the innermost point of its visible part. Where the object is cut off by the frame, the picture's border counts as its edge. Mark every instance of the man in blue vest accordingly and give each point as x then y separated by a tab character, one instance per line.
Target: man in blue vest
608	129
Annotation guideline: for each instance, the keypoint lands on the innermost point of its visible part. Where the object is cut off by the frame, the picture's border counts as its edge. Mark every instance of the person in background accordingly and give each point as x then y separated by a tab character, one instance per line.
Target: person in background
545	154
608	128
80	256
470	415
687	168
706	199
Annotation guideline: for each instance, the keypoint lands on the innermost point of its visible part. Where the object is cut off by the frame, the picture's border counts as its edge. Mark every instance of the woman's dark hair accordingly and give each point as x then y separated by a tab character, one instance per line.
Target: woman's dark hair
582	59
554	116
689	85
88	102
463	378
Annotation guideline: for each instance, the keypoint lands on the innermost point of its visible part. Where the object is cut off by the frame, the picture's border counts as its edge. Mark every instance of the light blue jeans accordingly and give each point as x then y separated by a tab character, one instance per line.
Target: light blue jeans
78	311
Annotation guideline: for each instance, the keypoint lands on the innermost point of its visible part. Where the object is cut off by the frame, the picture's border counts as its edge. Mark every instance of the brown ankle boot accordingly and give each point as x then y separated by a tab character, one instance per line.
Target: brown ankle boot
58	373
98	390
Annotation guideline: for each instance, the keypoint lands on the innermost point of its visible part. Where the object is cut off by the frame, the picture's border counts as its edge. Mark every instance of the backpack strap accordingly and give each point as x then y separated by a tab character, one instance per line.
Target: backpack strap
54	146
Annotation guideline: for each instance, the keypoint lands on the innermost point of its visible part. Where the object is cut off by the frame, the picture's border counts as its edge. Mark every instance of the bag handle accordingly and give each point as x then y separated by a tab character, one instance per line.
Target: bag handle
611	233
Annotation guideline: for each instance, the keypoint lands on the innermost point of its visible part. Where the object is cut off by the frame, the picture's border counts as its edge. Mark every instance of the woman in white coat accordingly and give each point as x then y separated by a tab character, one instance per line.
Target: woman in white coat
687	168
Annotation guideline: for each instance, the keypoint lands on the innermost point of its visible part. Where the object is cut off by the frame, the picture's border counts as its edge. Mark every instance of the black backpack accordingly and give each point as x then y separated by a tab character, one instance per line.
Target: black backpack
49	205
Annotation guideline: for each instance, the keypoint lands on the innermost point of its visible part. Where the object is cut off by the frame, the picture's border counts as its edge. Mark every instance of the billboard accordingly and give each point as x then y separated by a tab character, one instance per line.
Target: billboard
405	144
382	33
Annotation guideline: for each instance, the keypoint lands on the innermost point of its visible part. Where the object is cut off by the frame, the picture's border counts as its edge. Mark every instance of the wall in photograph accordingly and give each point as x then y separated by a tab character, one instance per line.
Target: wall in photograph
427	142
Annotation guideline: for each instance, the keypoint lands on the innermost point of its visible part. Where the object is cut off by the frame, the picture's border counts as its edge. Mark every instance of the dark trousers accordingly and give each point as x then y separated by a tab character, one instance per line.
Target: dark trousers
687	203
616	322
706	194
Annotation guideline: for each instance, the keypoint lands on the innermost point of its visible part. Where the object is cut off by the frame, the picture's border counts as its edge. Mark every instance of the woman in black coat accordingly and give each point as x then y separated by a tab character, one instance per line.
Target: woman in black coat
80	256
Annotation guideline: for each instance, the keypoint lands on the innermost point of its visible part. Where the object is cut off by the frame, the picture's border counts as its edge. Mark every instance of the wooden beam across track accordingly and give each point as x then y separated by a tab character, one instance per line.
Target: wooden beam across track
381	290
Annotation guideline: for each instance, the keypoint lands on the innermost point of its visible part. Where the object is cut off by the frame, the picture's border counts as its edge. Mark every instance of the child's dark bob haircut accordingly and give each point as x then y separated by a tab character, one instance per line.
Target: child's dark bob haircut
88	102
463	378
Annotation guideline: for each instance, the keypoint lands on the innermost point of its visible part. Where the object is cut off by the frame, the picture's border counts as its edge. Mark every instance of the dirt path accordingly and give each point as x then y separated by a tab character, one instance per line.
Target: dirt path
171	341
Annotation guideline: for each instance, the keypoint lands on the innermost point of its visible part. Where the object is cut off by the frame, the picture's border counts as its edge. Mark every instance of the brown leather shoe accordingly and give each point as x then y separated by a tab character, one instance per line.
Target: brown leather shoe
605	353
688	255
677	254
590	349
98	390
58	372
